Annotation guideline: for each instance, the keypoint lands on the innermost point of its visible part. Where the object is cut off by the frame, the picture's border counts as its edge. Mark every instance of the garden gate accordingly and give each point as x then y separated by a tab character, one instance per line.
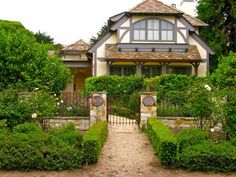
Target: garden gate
123	110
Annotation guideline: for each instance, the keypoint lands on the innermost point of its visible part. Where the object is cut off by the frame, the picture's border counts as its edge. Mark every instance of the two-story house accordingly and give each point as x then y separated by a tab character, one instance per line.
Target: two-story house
152	39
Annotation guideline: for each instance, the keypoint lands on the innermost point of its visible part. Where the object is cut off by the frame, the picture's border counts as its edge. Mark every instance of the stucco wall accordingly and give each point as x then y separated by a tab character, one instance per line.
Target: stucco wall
101	67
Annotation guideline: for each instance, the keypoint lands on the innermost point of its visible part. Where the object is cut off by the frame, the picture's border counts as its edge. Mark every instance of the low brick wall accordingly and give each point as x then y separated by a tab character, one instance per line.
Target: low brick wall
178	122
81	123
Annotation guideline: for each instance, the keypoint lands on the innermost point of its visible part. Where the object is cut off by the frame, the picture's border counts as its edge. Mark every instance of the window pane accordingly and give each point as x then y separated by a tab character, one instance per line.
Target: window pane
156	35
170	35
151	71
185	70
156	24
156	71
136	26
129	70
169	26
142	34
150	35
136	34
163	25
115	70
164	35
142	24
146	71
150	24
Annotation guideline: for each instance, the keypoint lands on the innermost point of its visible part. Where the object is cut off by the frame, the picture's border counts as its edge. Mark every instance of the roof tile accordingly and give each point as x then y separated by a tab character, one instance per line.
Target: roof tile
112	52
154	6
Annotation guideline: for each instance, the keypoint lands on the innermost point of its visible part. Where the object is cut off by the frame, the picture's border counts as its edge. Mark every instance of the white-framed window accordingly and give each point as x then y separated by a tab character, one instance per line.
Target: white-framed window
153	30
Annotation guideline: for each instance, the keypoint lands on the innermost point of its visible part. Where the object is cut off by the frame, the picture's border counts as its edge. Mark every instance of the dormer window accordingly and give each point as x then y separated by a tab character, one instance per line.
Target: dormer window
153	30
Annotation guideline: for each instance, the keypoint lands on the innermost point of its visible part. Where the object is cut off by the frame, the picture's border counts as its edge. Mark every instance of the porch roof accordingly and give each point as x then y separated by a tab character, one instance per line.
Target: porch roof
191	55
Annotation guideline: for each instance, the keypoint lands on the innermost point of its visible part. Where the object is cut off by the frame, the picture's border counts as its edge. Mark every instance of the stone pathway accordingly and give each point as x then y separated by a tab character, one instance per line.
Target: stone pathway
125	154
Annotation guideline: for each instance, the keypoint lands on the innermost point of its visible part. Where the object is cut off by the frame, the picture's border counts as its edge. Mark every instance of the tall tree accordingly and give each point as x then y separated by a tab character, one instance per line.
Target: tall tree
43	37
103	31
221	32
25	64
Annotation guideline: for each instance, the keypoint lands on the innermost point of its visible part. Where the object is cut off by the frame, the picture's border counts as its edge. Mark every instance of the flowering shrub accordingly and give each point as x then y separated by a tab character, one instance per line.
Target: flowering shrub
19	107
200	104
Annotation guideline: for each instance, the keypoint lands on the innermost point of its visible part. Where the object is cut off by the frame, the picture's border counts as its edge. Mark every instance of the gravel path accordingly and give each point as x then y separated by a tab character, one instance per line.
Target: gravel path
124	155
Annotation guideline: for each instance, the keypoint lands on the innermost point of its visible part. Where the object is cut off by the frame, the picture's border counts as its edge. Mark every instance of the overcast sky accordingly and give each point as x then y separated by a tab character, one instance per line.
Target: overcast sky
66	20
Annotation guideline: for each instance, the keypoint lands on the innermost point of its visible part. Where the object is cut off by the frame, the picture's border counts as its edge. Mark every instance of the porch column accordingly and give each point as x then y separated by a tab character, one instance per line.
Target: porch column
195	65
108	68
140	69
164	68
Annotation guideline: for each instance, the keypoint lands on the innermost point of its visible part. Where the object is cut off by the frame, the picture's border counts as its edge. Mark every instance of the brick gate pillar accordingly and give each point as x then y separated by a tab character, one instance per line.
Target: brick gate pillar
98	107
148	107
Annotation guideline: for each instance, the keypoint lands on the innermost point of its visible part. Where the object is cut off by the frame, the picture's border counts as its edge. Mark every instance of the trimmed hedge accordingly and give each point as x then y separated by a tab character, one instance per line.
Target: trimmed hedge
93	141
208	156
28	147
190	137
163	140
114	85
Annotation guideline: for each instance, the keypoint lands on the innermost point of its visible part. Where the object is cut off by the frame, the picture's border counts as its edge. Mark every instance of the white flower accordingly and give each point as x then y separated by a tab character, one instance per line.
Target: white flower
34	116
225	99
69	108
58	103
36	89
207	87
55	94
212	130
56	98
62	101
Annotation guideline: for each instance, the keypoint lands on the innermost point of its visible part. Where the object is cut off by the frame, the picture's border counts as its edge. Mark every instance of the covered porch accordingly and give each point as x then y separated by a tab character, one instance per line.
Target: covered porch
152	60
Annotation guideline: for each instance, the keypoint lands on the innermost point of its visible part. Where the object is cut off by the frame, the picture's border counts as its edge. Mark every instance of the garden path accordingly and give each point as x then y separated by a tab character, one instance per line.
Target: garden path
125	154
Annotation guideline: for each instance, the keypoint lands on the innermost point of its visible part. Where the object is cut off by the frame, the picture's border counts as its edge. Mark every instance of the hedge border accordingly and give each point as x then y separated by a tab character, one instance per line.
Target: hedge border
93	141
163	141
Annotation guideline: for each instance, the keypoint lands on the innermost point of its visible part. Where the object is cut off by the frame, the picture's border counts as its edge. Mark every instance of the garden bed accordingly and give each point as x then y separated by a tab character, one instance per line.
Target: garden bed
27	146
192	149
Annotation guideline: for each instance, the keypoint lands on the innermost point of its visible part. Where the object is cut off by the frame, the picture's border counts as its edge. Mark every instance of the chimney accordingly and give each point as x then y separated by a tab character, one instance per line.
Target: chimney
188	7
173	6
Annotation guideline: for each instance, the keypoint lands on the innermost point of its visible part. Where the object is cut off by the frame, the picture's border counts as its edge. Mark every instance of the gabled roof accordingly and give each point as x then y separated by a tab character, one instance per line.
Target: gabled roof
154	6
194	21
79	45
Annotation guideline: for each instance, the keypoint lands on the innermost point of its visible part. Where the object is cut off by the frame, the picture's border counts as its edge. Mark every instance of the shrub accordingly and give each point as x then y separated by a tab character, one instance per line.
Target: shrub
189	137
17	107
225	74
229	111
208	156
68	134
200	104
163	141
93	141
28	147
25	64
73	111
173	87
114	85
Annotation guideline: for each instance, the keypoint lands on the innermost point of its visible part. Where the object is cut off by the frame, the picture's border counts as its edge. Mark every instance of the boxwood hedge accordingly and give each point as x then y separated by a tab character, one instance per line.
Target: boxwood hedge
93	141
28	147
190	137
163	140
207	156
